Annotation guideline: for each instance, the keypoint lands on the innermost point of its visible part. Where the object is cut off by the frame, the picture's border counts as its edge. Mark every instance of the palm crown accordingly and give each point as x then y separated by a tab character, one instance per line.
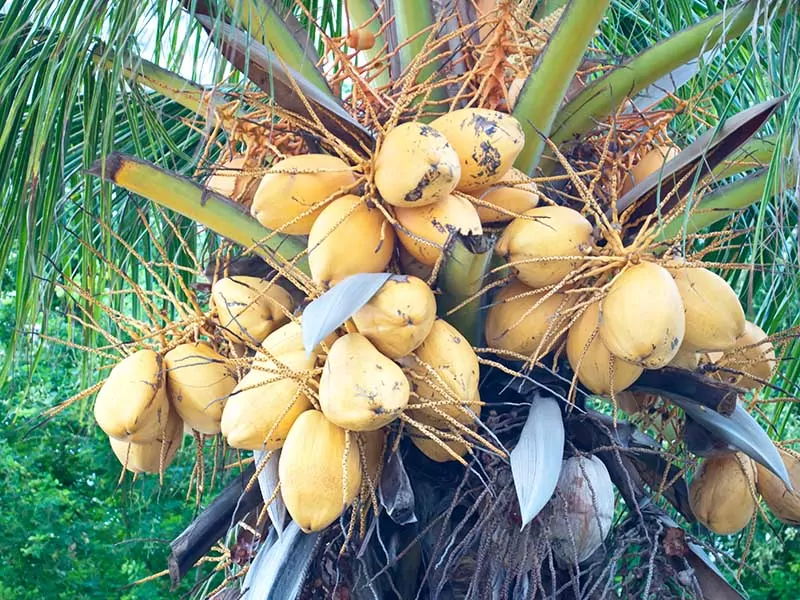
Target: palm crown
350	141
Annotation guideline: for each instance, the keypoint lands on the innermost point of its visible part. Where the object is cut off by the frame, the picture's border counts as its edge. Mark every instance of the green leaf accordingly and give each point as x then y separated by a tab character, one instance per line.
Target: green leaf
261	21
541	97
722	203
603	96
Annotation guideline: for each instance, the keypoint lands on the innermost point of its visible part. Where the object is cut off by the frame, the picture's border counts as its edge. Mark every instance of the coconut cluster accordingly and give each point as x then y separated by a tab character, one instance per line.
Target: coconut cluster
394	365
394	359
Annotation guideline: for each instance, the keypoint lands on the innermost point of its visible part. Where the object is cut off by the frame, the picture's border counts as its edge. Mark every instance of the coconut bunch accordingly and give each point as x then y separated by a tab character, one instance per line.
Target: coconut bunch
725	491
393	363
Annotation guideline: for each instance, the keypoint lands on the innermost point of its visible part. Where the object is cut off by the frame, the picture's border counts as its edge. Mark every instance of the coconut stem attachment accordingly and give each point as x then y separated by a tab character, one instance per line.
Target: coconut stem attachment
467	261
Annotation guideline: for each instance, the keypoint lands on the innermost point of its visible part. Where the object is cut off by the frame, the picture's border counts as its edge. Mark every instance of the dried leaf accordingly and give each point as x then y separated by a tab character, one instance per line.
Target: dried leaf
265	69
536	460
395	491
741	431
278	572
268	482
322	316
697	160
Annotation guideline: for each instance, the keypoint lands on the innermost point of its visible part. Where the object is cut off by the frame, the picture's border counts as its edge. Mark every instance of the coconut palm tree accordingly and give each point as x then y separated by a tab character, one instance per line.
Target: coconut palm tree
108	143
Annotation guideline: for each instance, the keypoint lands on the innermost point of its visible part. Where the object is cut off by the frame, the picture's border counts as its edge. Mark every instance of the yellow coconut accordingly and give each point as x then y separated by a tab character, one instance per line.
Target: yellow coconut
132	405
641	319
350	236
720	493
752	354
650	163
198	384
415	166
360	388
519	323
427	228
411	266
250	308
265	403
399	317
294	186
319	470
487	143
592	360
151	457
714	316
236	179
685	359
373	445
542	238
433	449
289	338
444	369
784	504
513	193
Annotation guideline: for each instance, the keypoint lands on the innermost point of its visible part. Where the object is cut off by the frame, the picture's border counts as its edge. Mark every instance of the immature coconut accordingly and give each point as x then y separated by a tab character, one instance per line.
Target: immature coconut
250	308
539	242
151	457
289	338
360	388
360	39
433	449
198	384
415	166
236	179
641	318
714	316
520	319
350	236
399	317
720	493
487	143
753	354
582	509
685	359
267	401
294	186
319	470
652	162
592	361
784	504
445	370
411	266
424	231
132	405
514	193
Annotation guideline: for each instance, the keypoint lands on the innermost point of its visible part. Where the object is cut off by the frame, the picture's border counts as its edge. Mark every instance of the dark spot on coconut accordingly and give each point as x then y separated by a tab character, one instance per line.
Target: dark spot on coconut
439	226
488	158
431	175
427	131
483	124
675	343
